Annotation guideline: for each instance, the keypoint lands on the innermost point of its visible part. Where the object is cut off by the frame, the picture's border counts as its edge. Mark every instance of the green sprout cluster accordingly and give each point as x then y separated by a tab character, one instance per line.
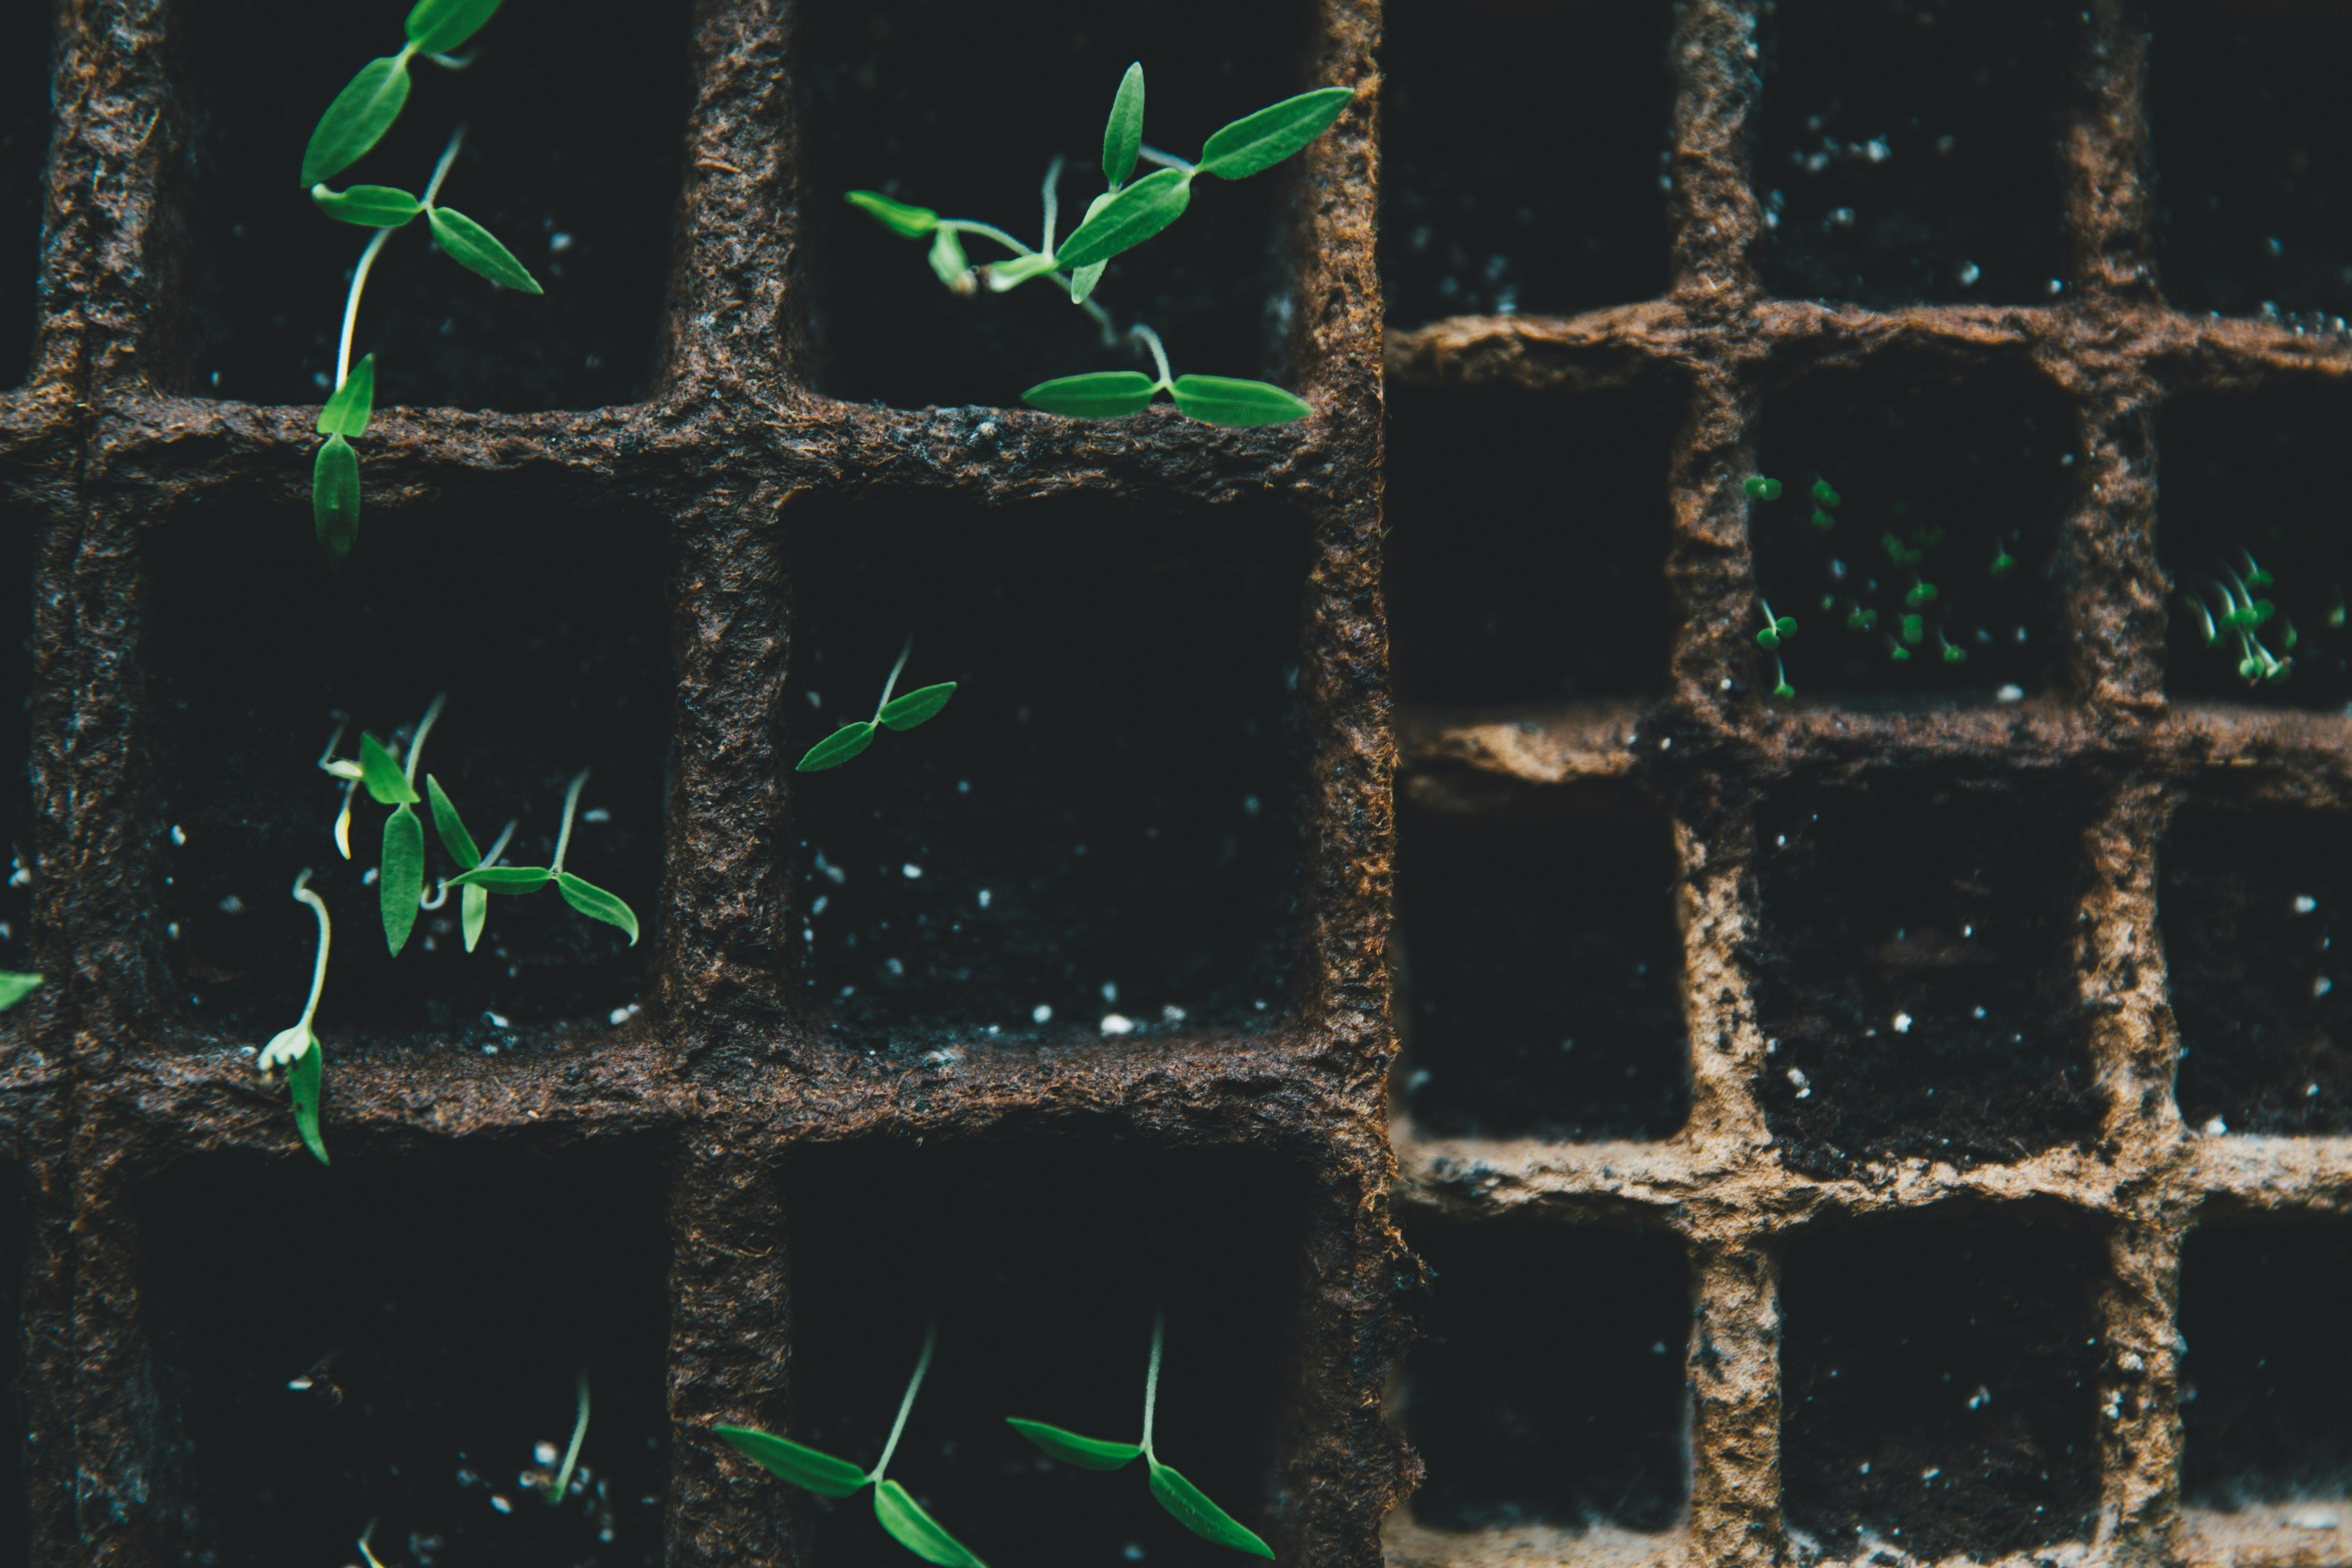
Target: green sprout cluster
2235	616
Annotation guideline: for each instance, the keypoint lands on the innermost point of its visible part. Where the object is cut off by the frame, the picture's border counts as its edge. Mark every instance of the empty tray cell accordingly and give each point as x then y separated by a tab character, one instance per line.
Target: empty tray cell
23	169
404	1344
1537	1394
1101	834
1058	1251
576	114
1527	546
2252	158
1913	953
908	98
15	1522
1936	1385
2253	513
549	631
1542	975
1929	566
17	530
2265	1391
1908	150
1523	157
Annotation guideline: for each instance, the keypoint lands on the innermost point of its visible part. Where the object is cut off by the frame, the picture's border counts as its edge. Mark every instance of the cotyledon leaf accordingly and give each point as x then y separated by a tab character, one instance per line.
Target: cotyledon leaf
506	878
303	1086
476	249
906	712
1260	141
837	748
436	27
385	781
452	829
369	207
949	263
1123	131
350	406
1223	400
796	1462
596	903
899	217
15	986
1086	1453
400	876
335	498
1193	1510
1128	219
918	1531
1098	394
357	120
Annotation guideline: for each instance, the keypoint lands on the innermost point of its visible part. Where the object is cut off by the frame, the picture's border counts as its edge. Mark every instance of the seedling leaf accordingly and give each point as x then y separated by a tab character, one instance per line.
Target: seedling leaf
15	986
596	903
335	497
1260	141
506	878
473	911
357	120
1003	275
436	27
348	410
947	260
906	712
837	748
454	837
1098	394
899	217
475	249
1193	1510
801	1465
1083	280
1222	400
302	1086
400	875
918	1531
1128	219
1123	133
370	206
386	782
1086	1453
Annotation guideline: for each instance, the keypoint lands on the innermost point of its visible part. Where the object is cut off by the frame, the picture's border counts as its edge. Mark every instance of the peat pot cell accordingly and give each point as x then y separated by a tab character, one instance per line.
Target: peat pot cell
1542	973
17	540
1059	1251
1527	546
15	1524
1101	832
908	97
23	155
1914	971
575	112
1908	150
1915	539
2251	513
1548	1384
1523	157
2267	1387
549	631
1936	1385
404	1344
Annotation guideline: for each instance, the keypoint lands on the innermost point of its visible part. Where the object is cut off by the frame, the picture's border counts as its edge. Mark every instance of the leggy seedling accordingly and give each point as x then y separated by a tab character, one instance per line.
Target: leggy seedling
578	891
2244	616
365	108
1777	629
913	709
298	1050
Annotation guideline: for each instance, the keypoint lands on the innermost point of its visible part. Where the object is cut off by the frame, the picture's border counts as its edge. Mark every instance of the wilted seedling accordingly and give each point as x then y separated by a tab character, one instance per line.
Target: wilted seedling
913	709
2242	616
580	893
297	1049
1212	399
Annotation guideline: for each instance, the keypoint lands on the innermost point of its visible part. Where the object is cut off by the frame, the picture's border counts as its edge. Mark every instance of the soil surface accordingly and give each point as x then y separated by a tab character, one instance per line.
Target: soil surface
575	112
442	1316
1534	1396
1938	1384
24	149
1914	974
1523	157
1906	150
2267	1387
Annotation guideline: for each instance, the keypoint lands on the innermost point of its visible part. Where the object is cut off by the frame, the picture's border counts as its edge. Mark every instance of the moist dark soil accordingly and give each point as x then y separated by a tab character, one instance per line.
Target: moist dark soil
2252	160
1906	150
1104	821
1542	976
1523	157
1938	1384
2265	1387
961	108
2249	904
1959	471
575	112
15	1525
1915	972
1528	545
24	156
1041	1265
442	1316
1547	1385
16	738
551	634
2260	474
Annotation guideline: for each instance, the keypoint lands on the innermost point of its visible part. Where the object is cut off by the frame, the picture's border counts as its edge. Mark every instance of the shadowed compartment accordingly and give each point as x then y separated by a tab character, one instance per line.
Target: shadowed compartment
2265	1384
23	168
548	628
1101	831
960	109
18	530
15	1221
1547	1385
1936	1383
1523	157
575	115
1040	1263
439	1317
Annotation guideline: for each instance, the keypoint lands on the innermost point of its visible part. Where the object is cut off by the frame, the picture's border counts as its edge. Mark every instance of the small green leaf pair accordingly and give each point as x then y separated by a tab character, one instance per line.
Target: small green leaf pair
298	1050
1900	553
468	244
1756	487
580	893
915	708
335	475
1211	399
1776	631
366	108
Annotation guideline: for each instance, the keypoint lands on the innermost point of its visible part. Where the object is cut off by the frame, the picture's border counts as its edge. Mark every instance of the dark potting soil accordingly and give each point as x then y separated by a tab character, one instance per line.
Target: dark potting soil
1103	822
1542	977
2266	1385
2251	159
2260	474
1906	150
1959	473
23	167
1547	1385
1523	157
550	633
1914	967
441	1316
960	109
1041	1266
1526	546
1937	1384
575	112
15	738
2248	906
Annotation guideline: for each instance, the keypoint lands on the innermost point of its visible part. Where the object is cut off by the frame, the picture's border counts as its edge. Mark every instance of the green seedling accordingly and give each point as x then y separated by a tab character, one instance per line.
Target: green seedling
1952	653
15	986
2003	562
1822	521
830	1477
1757	487
297	1049
400	873
361	113
367	1552
1914	628
1825	495
473	900
1777	629
2242	615
580	893
1897	652
554	1490
1211	399
915	708
1179	1496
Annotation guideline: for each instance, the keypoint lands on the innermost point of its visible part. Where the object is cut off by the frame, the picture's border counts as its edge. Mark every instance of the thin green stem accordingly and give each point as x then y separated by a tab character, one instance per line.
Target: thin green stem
1053	202
424	728
906	1404
571	1454
890	685
441	170
1165	160
365	1536
1158	355
352	303
988	230
326	934
563	838
1152	1377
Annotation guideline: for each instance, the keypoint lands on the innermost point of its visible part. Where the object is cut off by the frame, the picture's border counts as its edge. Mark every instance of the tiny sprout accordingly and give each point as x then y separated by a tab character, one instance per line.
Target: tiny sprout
15	986
1759	488
1211	399
555	1490
908	711
1899	552
1860	620
1914	628
2003	562
1781	687
580	893
2240	614
1922	593
361	113
1952	653
1826	496
1897	652
298	1050
1822	520
1776	629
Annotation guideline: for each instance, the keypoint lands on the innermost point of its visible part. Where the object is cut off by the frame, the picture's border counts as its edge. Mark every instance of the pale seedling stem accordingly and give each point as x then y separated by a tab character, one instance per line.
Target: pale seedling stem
1053	201
1151	340
319	970
922	1365
489	858
375	248
1152	1377
571	1454
365	1536
424	728
888	686
1165	160
563	838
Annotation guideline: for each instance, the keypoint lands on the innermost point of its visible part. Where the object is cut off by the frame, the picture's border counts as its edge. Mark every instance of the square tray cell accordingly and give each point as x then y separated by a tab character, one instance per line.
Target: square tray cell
1542	984
17	534
908	97
1522	158
2257	480
1951	493
575	112
548	631
1056	1252
15	1520
1536	1397
2252	158
2264	1396
1914	971
24	176
1527	546
1908	150
1103	825
1936	1385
